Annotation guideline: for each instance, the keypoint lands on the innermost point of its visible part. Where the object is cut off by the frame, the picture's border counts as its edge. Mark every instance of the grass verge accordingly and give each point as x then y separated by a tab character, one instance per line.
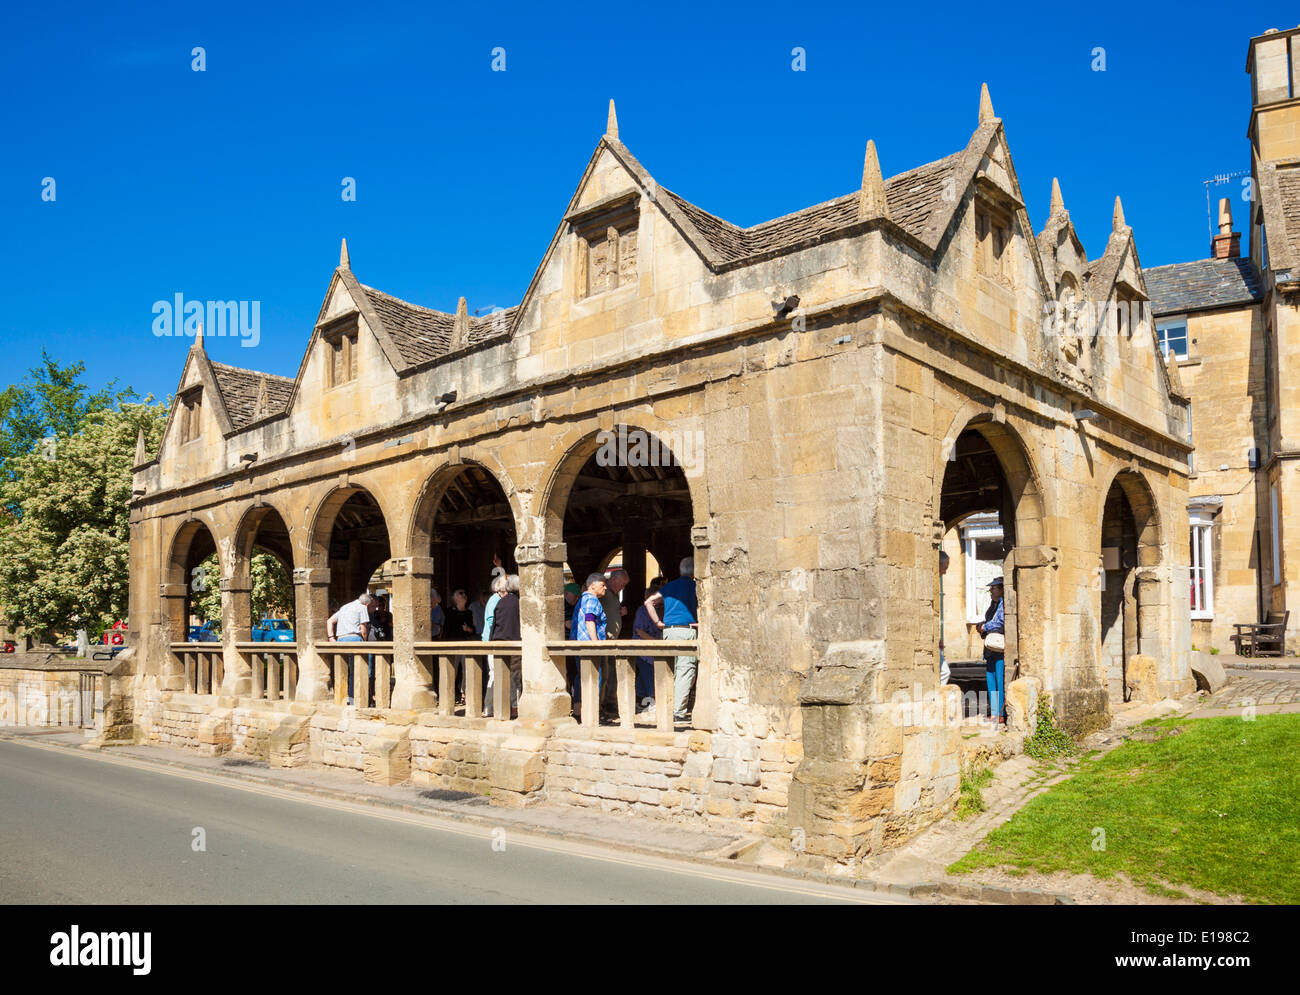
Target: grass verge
1203	803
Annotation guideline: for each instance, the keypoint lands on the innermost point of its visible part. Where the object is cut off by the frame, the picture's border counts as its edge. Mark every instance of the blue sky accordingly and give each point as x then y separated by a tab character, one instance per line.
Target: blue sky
226	184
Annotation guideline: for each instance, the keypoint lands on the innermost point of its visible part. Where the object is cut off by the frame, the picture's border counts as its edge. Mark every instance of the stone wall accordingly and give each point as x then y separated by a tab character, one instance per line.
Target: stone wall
682	776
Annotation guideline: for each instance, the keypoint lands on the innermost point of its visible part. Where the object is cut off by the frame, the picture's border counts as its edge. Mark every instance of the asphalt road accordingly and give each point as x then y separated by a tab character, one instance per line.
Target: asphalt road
88	828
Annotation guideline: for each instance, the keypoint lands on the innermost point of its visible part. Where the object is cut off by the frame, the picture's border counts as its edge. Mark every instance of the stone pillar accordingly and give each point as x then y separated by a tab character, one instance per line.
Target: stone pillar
1029	608
541	617
705	715
236	627
311	587
411	577
170	627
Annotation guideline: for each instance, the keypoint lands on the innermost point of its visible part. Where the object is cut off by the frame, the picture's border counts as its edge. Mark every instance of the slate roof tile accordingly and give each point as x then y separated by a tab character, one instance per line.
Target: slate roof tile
240	389
1202	284
913	198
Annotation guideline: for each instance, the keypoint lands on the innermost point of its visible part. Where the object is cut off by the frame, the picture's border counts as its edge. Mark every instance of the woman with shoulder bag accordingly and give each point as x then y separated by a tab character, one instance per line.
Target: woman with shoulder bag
993	629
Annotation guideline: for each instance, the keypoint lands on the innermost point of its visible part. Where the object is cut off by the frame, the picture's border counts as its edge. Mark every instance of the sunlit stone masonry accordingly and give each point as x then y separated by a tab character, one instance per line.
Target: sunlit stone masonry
841	388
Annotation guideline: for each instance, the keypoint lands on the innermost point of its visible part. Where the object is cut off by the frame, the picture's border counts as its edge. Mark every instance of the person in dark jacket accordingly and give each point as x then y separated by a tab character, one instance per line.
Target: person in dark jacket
505	626
458	628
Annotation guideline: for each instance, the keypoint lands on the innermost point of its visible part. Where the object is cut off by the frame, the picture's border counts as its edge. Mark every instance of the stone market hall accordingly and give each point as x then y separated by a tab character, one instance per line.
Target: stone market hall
853	382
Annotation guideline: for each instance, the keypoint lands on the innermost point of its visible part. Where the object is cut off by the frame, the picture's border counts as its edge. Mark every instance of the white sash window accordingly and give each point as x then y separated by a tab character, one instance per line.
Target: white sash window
1202	577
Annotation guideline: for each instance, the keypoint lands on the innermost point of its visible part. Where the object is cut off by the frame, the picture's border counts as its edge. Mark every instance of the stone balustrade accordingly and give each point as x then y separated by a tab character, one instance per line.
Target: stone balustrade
202	665
624	653
274	667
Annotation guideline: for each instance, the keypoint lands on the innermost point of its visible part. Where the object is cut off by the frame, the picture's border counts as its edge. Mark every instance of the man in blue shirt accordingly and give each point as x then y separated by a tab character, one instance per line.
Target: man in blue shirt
680	621
588	626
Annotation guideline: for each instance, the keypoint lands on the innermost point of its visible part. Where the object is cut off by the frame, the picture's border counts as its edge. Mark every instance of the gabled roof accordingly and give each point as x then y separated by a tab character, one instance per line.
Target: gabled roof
1102	273
241	389
914	198
1203	284
918	208
423	335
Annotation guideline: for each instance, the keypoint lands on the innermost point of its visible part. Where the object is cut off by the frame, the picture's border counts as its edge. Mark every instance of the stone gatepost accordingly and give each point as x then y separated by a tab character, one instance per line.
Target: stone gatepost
541	616
411	581
311	586
236	627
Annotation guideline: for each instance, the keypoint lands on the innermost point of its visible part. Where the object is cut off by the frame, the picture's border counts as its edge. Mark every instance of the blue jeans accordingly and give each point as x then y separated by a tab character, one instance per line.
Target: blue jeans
354	638
994	676
645	678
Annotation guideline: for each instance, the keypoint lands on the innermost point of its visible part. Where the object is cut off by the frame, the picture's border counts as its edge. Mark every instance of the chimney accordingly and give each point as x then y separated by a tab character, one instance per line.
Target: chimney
1226	244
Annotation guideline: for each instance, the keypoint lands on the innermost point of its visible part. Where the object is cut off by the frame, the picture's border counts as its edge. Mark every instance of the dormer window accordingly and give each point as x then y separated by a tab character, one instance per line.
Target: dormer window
606	249
340	339
191	411
993	241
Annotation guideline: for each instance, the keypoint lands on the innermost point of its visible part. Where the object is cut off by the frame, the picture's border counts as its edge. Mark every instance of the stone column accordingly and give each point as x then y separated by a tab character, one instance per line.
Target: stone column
311	587
541	617
170	627
236	626
411	579
1029	608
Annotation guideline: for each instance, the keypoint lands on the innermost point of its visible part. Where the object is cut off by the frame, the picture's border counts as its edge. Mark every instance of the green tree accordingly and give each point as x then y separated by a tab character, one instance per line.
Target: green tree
272	594
51	402
64	552
272	588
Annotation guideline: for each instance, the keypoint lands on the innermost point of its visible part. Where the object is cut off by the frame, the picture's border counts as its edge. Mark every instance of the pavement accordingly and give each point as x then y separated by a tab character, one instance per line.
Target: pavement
49	778
1268	691
122	826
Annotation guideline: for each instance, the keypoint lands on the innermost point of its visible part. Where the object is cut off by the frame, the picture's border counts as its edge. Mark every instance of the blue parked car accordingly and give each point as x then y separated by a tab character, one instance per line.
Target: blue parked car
208	632
273	630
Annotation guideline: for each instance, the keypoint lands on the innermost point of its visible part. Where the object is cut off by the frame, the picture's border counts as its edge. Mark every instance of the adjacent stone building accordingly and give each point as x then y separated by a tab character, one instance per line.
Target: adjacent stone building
839	387
1231	323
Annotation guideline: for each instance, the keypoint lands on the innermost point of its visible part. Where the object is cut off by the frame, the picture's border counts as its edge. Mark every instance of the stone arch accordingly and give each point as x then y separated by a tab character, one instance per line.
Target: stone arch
641	487
1146	512
455	511
419	526
264	526
1132	601
578	445
320	533
1023	479
246	537
193	541
1023	512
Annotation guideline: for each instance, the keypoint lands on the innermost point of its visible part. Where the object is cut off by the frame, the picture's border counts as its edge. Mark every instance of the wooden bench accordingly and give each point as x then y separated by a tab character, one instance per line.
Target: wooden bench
1263	638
